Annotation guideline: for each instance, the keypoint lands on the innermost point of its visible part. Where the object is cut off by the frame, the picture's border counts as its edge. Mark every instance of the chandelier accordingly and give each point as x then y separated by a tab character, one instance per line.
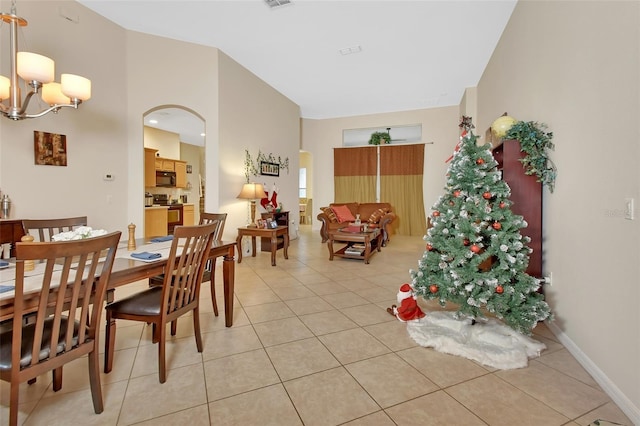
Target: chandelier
37	72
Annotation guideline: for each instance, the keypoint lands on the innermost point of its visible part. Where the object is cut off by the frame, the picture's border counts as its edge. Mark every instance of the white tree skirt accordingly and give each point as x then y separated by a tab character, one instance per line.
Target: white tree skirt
488	342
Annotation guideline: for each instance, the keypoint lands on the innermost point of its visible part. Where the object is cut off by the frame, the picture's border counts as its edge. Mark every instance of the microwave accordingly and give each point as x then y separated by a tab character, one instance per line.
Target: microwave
167	179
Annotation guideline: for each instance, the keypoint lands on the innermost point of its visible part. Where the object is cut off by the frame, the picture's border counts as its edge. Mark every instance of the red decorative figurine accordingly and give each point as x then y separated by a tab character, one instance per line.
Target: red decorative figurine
408	309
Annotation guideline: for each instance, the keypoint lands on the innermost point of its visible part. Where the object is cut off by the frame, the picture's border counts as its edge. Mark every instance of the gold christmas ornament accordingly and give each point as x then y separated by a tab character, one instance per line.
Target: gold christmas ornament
501	125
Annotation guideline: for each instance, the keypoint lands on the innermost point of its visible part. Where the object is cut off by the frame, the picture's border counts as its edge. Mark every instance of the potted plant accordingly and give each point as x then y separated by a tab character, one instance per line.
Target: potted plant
379	137
535	141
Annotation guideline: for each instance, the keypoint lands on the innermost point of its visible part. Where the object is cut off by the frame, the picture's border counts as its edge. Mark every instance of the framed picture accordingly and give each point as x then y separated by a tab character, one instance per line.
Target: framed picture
189	168
269	169
272	224
49	149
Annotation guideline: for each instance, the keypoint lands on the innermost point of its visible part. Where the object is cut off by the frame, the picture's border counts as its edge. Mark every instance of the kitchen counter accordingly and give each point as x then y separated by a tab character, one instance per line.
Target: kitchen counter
156	206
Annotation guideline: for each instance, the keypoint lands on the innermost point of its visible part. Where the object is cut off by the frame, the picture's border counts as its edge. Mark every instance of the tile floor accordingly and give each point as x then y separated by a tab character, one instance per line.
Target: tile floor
312	344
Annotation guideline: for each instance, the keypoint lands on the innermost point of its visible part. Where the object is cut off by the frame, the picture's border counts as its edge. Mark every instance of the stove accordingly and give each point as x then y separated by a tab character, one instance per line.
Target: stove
174	215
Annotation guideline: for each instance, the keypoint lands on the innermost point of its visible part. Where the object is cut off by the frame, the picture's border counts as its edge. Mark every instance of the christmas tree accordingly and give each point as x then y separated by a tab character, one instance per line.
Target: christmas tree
476	256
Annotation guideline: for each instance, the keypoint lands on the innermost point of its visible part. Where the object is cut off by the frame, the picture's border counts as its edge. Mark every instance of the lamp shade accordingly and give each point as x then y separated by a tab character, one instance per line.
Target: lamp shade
52	94
5	87
252	191
75	86
32	66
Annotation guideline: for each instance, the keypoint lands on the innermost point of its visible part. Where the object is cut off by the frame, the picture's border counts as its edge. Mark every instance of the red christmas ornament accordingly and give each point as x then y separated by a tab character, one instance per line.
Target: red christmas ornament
497	226
429	247
502	204
499	289
436	213
486	195
465	242
456	193
433	288
475	248
479	161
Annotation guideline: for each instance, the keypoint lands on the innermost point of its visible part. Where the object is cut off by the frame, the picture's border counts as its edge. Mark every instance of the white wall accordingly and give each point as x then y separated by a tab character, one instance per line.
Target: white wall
439	125
96	133
257	118
575	66
131	75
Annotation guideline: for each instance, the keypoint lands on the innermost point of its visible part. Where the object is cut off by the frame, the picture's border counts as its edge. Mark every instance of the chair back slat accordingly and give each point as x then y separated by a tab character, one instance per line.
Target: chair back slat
72	291
219	219
181	287
44	229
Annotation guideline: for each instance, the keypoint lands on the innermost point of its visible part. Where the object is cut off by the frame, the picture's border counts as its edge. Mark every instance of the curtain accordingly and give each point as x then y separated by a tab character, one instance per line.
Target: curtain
401	170
355	171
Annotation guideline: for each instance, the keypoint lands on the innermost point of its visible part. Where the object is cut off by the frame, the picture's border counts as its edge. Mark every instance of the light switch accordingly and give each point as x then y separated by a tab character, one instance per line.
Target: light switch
628	208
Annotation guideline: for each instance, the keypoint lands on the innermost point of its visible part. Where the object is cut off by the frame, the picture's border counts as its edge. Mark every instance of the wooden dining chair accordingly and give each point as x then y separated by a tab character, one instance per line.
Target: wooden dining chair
66	325
178	295
43	229
219	220
210	270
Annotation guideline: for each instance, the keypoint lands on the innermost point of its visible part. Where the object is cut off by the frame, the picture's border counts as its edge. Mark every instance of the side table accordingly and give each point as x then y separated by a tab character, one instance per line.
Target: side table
273	234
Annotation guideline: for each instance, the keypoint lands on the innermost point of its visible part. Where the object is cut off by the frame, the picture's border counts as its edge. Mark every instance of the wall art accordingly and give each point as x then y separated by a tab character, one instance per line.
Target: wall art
50	149
269	169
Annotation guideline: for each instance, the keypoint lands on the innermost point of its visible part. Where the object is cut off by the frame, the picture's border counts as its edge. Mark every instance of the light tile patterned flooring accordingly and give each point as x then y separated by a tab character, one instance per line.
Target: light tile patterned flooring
312	344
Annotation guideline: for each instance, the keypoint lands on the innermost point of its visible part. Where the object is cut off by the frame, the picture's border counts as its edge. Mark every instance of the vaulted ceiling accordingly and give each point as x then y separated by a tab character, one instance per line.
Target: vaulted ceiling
337	58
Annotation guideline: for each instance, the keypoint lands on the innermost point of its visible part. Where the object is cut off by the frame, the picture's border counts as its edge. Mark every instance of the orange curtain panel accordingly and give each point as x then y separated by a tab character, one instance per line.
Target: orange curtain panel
401	171
355	171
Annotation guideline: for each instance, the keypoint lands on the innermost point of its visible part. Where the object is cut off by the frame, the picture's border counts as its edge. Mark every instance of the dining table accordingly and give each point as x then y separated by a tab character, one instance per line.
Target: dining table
128	269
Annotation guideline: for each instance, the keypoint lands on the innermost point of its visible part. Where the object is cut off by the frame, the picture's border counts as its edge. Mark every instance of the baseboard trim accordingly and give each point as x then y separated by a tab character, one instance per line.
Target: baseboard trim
625	404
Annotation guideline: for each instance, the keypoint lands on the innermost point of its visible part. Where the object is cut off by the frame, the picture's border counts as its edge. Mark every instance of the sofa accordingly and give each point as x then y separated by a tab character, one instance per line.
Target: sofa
375	214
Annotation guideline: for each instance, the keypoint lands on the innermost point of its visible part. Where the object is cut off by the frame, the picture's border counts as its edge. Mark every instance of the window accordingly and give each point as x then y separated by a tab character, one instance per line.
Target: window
302	190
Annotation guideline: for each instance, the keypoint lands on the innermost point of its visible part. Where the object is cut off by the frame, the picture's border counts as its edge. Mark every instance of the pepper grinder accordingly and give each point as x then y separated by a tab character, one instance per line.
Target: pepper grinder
131	245
29	265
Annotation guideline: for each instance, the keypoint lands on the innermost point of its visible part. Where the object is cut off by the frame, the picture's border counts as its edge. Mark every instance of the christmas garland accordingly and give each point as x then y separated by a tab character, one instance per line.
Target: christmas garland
251	167
535	142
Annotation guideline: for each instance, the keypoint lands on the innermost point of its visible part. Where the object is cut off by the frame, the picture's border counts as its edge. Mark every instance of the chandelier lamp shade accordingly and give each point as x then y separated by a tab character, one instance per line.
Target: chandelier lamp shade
37	72
252	192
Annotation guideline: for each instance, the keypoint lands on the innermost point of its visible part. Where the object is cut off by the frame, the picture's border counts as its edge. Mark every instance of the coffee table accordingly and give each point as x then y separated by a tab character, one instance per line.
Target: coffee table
359	244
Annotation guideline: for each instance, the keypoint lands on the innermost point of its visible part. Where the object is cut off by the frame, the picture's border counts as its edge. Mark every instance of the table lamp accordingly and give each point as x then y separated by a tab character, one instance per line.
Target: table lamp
252	192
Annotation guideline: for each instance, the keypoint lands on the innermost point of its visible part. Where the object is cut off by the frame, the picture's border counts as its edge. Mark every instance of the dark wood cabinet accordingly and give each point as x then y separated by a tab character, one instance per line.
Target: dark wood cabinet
11	231
526	195
282	218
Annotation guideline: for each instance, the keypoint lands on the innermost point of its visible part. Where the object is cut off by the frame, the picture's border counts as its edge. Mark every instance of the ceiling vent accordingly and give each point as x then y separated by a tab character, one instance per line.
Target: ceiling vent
276	3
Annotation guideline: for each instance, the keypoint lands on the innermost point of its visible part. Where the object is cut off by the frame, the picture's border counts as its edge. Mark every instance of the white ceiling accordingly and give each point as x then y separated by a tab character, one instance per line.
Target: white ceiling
414	54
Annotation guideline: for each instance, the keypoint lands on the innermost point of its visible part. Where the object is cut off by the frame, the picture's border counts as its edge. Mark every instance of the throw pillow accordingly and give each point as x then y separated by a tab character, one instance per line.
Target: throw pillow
330	214
377	215
343	213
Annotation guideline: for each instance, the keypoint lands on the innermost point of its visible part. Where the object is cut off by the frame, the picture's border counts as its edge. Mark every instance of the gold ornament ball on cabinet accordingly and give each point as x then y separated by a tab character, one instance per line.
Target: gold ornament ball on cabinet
501	125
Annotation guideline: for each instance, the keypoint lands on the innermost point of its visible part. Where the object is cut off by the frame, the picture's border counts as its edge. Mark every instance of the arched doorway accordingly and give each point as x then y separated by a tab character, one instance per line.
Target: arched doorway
177	133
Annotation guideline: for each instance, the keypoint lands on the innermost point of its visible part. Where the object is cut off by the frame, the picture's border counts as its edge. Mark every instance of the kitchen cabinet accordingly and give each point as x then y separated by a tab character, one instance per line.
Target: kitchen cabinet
181	173
155	221
165	164
188	215
149	167
11	231
153	164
